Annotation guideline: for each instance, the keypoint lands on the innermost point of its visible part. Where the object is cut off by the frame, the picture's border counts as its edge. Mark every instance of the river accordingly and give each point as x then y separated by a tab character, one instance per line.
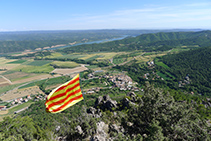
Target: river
92	42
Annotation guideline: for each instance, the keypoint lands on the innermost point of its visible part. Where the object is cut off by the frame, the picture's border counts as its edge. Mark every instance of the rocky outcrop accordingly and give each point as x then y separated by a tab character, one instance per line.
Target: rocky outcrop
105	102
132	96
94	112
101	132
116	128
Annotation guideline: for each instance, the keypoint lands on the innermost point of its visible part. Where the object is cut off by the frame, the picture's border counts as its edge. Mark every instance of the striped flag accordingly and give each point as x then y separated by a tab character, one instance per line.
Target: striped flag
64	96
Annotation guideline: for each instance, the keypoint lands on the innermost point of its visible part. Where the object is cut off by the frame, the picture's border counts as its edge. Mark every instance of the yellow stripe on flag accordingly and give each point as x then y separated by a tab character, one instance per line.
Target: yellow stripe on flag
64	96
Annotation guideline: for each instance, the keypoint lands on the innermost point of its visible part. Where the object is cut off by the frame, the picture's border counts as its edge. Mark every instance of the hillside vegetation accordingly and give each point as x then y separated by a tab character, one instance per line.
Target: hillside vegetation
149	42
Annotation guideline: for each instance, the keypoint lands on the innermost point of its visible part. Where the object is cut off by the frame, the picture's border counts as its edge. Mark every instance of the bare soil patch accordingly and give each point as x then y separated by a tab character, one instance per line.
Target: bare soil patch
3	112
2	80
43	76
4	84
69	71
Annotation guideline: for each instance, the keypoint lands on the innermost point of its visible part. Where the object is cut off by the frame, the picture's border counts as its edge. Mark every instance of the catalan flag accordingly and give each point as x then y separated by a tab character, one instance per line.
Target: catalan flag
64	96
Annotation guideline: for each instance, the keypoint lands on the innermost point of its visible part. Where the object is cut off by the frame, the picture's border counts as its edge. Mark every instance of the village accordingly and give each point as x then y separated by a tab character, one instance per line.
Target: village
19	101
121	81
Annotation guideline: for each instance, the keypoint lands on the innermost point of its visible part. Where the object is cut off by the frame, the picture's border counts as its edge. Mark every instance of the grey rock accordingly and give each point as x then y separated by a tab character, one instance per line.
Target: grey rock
101	132
105	102
91	110
110	104
79	130
99	100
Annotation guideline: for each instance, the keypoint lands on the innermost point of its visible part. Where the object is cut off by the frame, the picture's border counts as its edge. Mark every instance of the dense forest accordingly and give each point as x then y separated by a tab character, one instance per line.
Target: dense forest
196	65
149	42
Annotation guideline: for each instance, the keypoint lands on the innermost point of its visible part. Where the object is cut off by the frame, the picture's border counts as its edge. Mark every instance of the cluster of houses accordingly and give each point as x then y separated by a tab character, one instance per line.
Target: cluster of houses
92	90
27	98
122	81
21	100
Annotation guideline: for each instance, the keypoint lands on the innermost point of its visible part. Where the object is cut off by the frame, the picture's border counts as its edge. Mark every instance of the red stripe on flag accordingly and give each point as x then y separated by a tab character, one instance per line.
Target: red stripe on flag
63	94
71	82
63	100
65	104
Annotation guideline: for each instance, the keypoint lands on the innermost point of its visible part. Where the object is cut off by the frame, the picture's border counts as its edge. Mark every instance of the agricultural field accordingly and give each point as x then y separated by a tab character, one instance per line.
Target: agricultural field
162	64
119	60
64	64
17	62
34	78
17	93
72	56
143	59
107	55
14	76
69	71
54	55
34	69
4	63
39	62
92	66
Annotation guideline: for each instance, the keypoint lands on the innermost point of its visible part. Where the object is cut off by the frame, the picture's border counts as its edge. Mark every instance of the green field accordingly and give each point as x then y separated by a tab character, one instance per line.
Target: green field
39	62
92	66
118	60
162	64
48	82
17	62
165	77
35	69
7	88
93	57
71	56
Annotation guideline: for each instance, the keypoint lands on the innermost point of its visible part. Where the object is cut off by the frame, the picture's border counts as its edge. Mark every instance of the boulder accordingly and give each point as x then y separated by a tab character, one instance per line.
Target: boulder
91	110
105	102
79	130
98	100
94	112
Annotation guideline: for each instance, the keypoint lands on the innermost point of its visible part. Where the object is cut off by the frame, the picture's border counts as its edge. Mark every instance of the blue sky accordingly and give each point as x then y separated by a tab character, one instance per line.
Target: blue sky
22	15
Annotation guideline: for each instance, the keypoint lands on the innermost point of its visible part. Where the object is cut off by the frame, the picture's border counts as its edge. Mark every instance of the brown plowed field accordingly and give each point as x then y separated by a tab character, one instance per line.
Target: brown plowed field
69	71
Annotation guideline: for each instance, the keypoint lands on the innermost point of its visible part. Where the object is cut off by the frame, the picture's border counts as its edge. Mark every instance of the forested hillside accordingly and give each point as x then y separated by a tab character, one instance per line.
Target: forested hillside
195	64
149	42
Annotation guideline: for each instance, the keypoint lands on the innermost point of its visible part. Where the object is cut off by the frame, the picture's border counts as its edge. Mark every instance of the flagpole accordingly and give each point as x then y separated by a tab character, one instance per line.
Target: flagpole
81	88
83	95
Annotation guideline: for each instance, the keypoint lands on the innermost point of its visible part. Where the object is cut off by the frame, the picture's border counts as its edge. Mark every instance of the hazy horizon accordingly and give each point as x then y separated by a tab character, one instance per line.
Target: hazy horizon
24	15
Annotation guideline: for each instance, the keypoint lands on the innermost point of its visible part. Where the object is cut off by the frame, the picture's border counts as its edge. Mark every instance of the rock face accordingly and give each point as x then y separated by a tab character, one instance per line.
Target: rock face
94	112
115	128
130	100
132	95
105	102
79	130
101	133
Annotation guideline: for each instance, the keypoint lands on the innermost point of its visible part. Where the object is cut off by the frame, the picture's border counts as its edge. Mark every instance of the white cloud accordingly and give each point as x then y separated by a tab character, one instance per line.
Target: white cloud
155	16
